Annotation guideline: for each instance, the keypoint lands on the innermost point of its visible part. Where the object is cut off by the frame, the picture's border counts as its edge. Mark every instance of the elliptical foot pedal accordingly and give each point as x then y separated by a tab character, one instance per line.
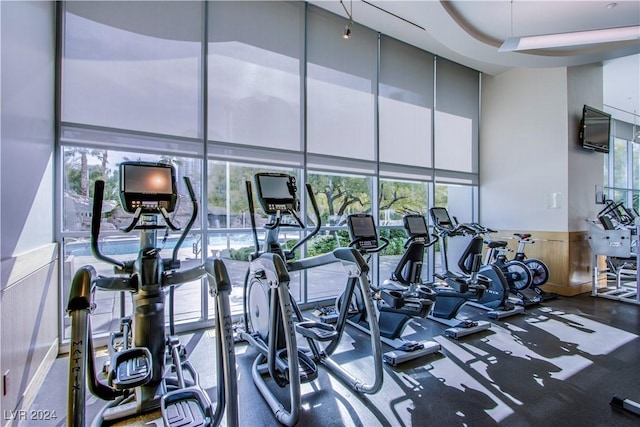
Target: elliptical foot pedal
316	330
130	368
186	407
326	314
308	369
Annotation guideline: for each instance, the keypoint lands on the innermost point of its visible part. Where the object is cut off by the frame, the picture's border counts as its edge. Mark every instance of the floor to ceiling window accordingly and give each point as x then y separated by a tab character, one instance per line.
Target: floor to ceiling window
622	166
225	89
397	198
130	90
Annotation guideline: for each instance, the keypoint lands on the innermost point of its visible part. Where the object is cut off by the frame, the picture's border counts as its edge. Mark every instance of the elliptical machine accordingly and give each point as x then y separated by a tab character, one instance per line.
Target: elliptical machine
398	300
138	378
271	316
456	242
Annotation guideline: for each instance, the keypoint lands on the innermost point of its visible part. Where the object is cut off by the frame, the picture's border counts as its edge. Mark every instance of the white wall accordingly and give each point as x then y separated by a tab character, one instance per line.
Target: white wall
27	135
523	150
28	254
586	168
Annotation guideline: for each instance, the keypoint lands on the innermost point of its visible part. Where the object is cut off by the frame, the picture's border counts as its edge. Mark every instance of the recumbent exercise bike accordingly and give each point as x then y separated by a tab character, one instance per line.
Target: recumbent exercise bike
499	280
398	300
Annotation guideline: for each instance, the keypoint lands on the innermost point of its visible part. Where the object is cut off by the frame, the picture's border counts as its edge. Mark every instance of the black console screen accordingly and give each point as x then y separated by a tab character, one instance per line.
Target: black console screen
362	226
416	225
441	217
147	180
276	192
147	186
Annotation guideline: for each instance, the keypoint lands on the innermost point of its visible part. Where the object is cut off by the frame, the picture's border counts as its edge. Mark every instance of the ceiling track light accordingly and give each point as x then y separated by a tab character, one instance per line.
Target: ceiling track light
347	30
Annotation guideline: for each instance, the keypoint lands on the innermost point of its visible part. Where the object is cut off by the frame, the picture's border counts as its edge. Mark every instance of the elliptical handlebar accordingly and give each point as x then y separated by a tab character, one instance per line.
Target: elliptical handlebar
96	219
316	213
98	196
192	219
286	208
252	218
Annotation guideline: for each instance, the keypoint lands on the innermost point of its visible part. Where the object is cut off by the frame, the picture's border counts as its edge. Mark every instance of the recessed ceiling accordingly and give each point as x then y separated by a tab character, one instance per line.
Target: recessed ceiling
503	19
470	32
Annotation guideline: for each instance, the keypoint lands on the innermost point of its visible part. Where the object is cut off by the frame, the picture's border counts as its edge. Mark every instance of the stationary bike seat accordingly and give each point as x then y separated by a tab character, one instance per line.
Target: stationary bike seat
497	244
522	235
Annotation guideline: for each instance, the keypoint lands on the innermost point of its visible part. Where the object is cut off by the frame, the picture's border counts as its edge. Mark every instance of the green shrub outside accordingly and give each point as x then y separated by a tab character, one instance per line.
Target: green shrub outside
328	242
241	254
397	238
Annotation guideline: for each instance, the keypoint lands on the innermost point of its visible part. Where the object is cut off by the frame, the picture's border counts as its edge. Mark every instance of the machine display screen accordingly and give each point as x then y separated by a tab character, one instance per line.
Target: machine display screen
147	186
416	225
274	187
147	179
276	192
362	226
441	217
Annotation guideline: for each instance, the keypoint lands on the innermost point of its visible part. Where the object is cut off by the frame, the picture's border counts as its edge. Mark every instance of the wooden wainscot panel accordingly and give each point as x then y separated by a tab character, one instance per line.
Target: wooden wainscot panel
567	254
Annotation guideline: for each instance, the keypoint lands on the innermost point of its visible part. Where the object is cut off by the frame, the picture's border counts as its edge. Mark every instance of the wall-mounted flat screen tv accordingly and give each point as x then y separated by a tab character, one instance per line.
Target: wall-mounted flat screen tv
595	129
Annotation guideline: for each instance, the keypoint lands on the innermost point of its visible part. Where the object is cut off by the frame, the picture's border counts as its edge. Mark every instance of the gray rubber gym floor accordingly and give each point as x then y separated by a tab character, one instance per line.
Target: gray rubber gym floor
558	364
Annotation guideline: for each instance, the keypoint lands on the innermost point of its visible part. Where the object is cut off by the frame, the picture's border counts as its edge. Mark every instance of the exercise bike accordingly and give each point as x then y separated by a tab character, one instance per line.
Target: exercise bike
539	270
139	375
453	290
518	274
398	300
272	319
457	241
